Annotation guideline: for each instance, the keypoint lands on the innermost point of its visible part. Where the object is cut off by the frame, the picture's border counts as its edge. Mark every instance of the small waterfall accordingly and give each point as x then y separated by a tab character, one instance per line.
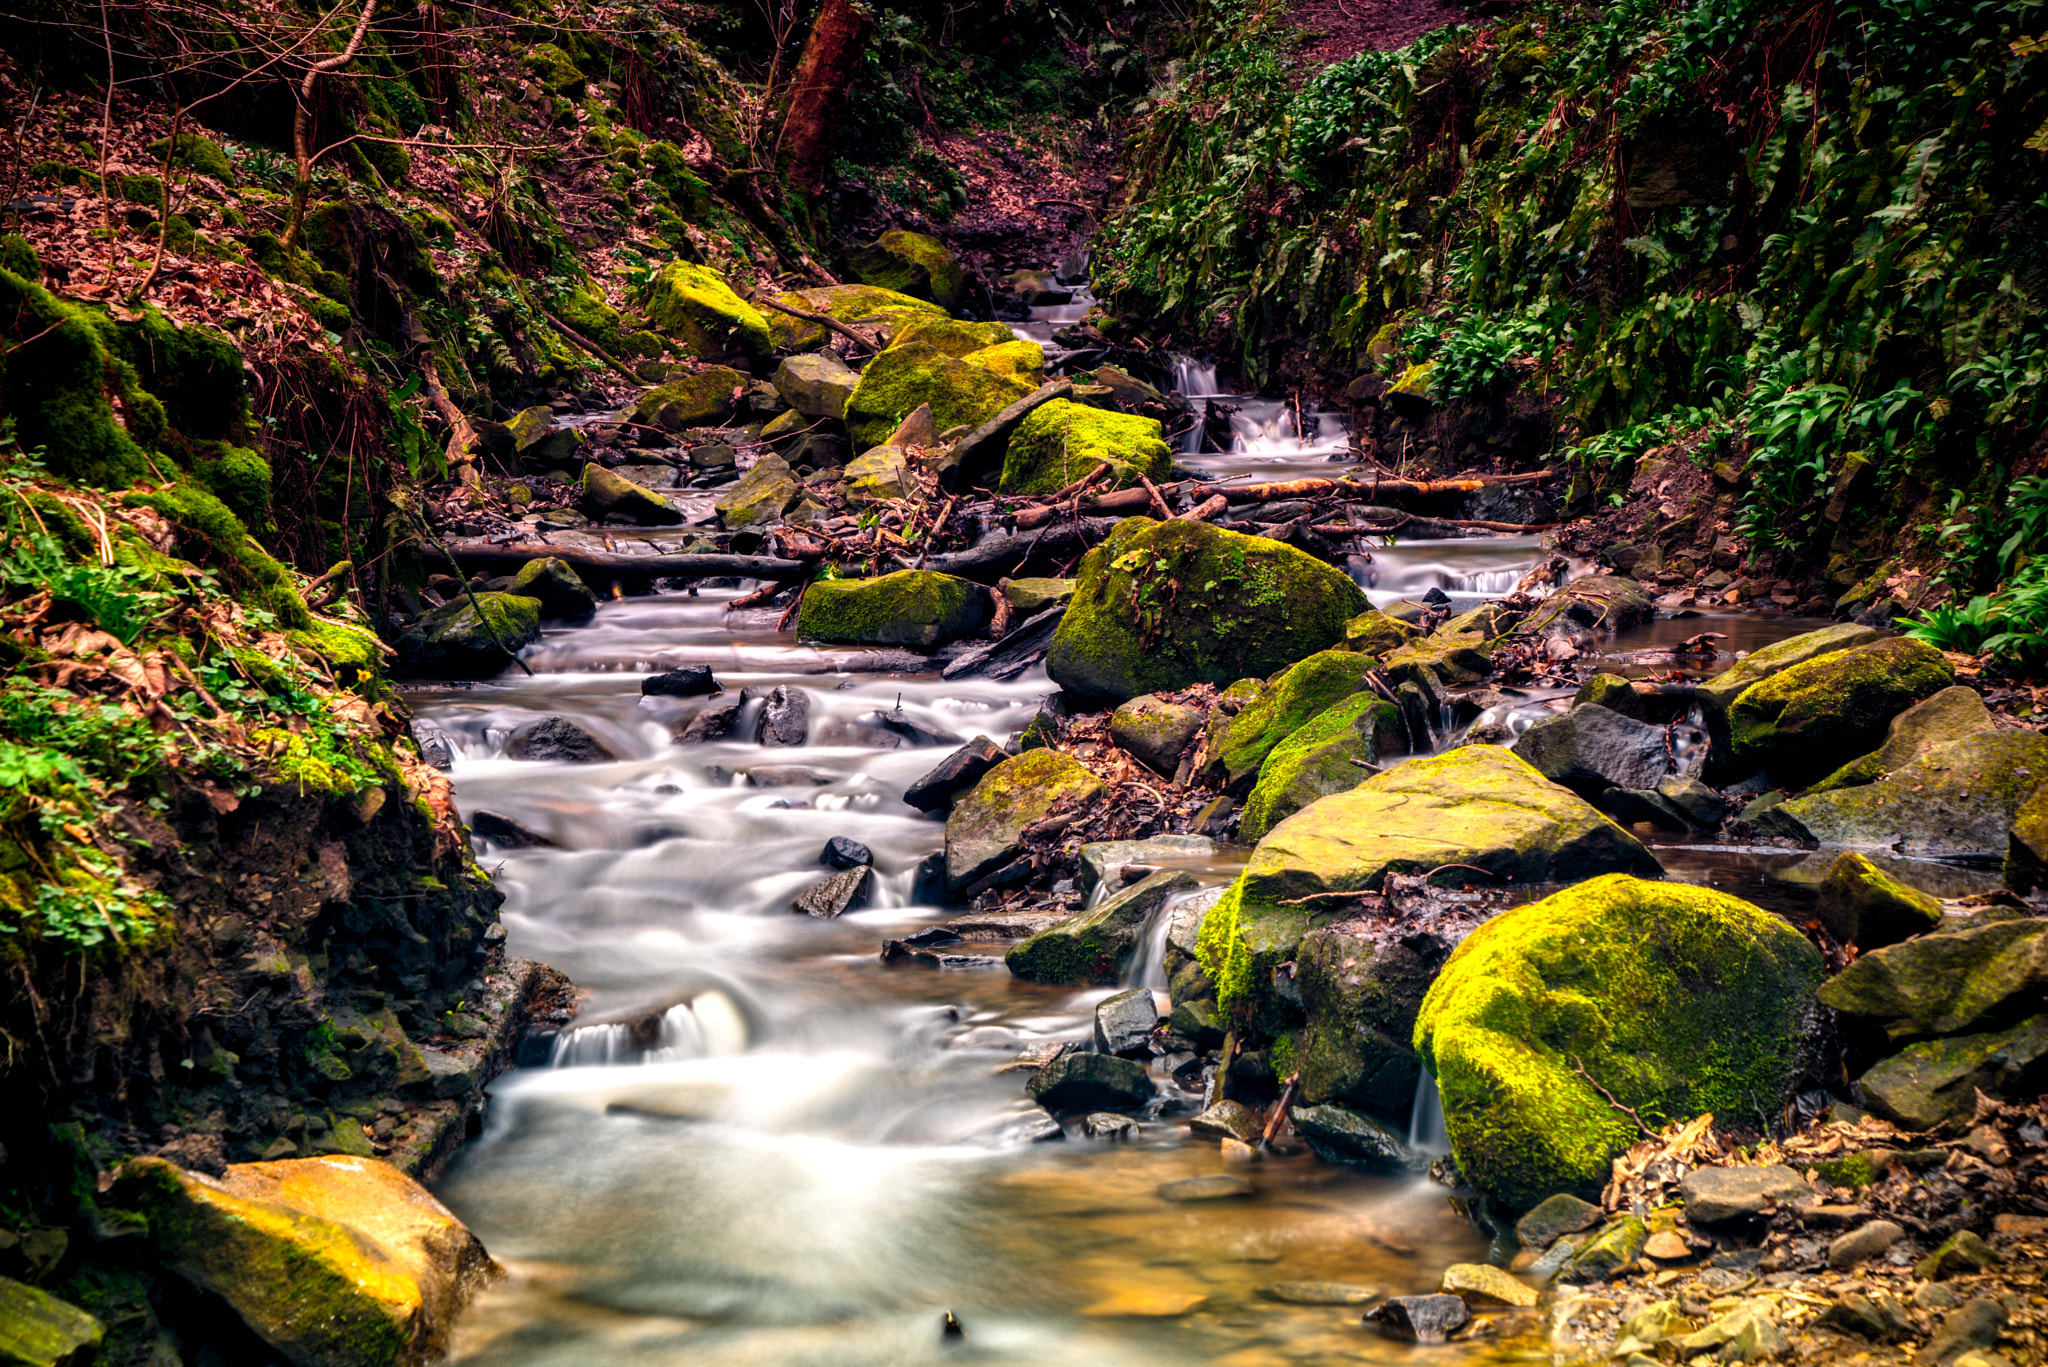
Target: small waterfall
707	1026
1426	1133
1195	379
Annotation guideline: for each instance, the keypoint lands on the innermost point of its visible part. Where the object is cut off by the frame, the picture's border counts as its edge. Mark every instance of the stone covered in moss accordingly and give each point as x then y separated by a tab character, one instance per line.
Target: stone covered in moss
861	305
1477	806
1154	730
556	72
1161	605
908	608
558	589
702	399
1860	905
1240	743
1361	995
1804	721
606	496
896	382
695	306
984	827
1719	692
334	1262
1935	1082
1970	979
956	338
1333	753
18	257
38	1330
2026	850
1061	442
914	264
197	152
816	384
1031	594
1095	948
455	642
1374	633
759	496
1676	1000
1949	715
1958	799
880	472
1017	359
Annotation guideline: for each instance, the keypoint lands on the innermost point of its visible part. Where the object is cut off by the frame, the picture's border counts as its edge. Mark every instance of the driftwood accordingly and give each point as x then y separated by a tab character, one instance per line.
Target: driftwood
1137	500
1018	650
990	561
691	566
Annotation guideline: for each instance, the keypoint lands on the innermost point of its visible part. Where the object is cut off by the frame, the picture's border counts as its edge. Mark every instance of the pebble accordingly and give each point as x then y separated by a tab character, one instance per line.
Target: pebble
1220	1187
1667	1246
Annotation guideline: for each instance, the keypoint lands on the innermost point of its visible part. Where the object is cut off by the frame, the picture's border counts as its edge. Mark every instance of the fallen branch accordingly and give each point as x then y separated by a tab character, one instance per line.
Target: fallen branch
1580	1069
704	565
1280	1110
593	348
1206	509
1135	500
842	329
1158	499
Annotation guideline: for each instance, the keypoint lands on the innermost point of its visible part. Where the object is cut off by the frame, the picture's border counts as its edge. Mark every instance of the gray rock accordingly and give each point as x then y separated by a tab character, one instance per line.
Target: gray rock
842	853
688	681
555	586
1977	1324
1108	1125
1880	1317
434	746
1637	806
815	385
1926	1084
954	775
847	890
1228	1120
1590	749
1154	731
1715	1196
1221	1187
1424	1319
1339	1135
1104	861
452	1073
1700	805
557	740
1090	1082
1124	1022
1096	946
785	717
1554	1218
1863	1243
506	833
607	496
1956	799
1961	1254
711	724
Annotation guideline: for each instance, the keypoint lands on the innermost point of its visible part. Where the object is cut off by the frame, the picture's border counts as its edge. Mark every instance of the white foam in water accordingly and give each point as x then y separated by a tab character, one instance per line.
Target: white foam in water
1426	1133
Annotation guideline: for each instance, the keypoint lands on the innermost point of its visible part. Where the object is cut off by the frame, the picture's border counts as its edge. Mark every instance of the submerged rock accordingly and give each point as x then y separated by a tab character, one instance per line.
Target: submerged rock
1808	720
845	891
1161	605
1340	1135
1318	1293
688	681
986	826
557	740
1424	1319
910	608
1590	749
1095	946
1683	1000
1221	1187
1337	750
1090	1082
458	642
953	775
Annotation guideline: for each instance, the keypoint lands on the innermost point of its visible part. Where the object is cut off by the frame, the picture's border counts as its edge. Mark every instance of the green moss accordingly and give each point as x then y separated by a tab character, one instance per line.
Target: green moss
463	640
695	306
1239	745
914	264
903	377
58	389
584	311
1851	1171
1375	633
238	477
194	372
19	257
197	152
694	400
1019	360
1326	755
211	535
1676	1000
553	70
952	336
145	190
1807	720
910	607
862	304
1061	442
1161	605
351	654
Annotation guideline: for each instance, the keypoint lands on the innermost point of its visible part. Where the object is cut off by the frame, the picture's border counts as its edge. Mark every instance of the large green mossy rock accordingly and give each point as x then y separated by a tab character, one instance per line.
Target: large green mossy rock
1062	442
1676	1000
334	1262
38	1330
460	642
2026	850
1096	947
1806	721
984	827
1935	1082
1968	980
695	306
1957	799
1597	602
759	496
1361	994
955	337
1161	605
898	381
1372	632
863	306
558	589
1477	806
1333	753
913	264
880	472
702	399
1950	715
1717	693
1239	743
907	608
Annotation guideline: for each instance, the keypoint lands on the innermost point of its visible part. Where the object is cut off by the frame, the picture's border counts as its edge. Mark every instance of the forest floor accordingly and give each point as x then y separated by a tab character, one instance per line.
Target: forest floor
1337	29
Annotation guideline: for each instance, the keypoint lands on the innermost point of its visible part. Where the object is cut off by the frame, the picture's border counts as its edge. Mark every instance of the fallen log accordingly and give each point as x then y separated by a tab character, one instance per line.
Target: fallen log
696	565
1000	556
1137	500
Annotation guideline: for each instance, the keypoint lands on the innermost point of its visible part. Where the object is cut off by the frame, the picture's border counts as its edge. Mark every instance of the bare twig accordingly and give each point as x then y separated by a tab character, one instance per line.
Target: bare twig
1580	1069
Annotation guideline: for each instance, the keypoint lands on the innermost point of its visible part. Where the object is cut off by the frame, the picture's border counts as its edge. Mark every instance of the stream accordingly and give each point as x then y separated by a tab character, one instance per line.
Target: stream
764	1146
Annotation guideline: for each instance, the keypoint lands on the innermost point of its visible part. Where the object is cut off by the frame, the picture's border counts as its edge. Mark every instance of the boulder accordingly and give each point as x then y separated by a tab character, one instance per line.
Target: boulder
954	336
1860	905
1361	995
1095	946
914	264
1016	359
1477	806
840	852
1090	1082
334	1262
1374	633
881	472
1104	861
1590	749
1422	1319
1480	1284
557	740
817	385
1805	721
1154	731
714	723
1716	694
1339	1134
1553	1218
38	1330
1962	798
696	307
1029	595
1596	602
986	826
863	306
1675	1000
1618	693
1240	741
556	587
1950	715
605	496
2026	849
785	717
703	398
1336	751
1970	979
1931	1083
685	681
466	640
909	608
847	890
917	373
1228	1120
1125	1021
1061	442
1726	1196
1161	605
760	495
953	775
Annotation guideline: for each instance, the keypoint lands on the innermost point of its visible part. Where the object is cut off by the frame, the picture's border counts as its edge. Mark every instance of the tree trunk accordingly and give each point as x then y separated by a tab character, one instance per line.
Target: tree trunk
831	56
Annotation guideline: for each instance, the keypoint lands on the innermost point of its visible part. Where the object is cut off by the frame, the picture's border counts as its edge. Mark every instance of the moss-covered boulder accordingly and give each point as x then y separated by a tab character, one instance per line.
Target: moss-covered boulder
880	472
460	642
1479	807
895	383
907	608
1949	715
984	828
1096	947
955	337
1861	905
1161	605
697	308
609	497
1361	994
816	384
1805	721
759	496
2026	849
334	1262
1934	1083
1957	799
1334	752
1971	979
1033	594
1241	739
1716	694
914	264
555	586
1154	730
1061	442
861	305
1676	1000
1372	632
1018	359
38	1330
704	398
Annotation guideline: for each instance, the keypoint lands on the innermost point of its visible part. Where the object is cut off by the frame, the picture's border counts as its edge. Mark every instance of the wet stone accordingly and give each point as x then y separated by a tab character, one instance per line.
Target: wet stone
689	681
557	740
954	775
712	724
898	952
1108	1125
506	833
1124	1022
1479	1284
1424	1319
785	717
1090	1082
1555	1217
1227	1120
1318	1293
845	891
1343	1136
1220	1187
843	853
